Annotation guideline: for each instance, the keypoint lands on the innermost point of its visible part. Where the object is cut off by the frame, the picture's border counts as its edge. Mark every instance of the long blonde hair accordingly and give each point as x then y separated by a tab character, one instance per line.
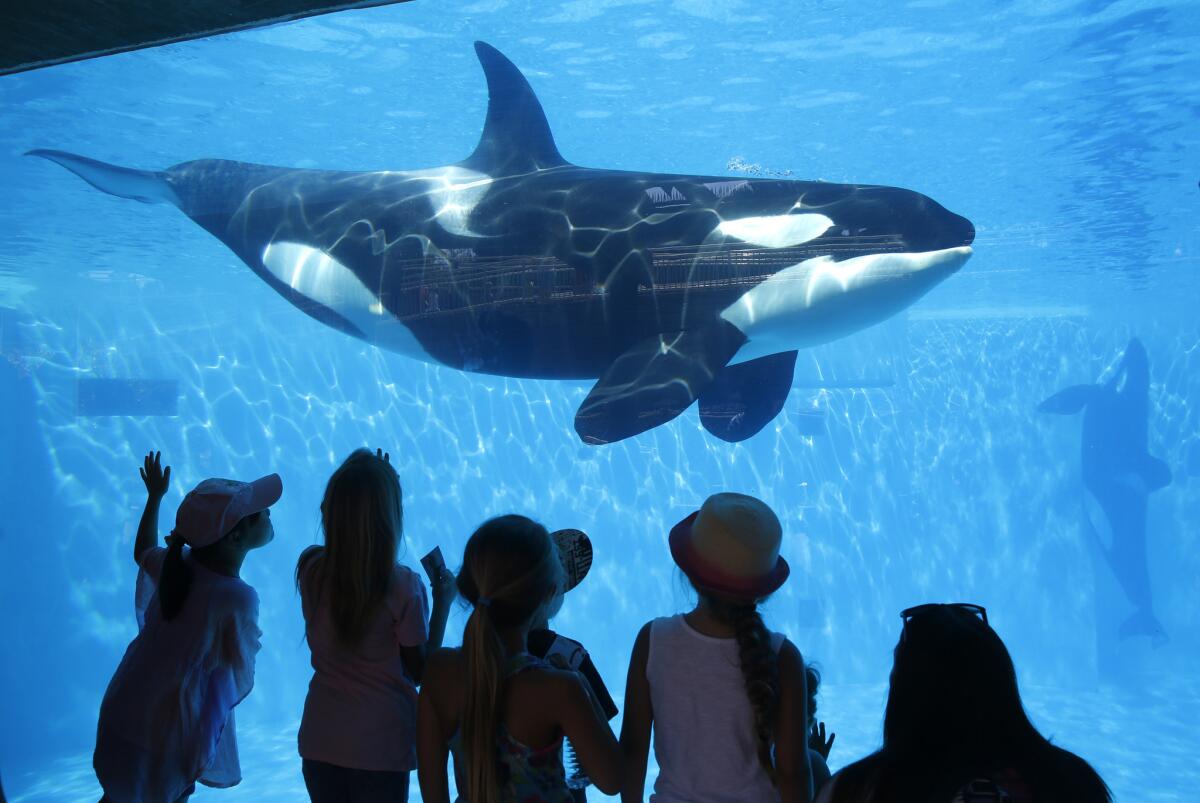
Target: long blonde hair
510	573
362	515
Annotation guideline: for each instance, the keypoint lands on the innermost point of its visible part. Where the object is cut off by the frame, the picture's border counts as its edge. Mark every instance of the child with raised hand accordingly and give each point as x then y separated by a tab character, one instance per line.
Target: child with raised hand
167	717
369	628
503	712
725	696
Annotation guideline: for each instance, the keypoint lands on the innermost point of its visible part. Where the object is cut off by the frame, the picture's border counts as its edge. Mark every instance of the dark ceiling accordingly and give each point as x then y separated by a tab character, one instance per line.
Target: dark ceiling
39	33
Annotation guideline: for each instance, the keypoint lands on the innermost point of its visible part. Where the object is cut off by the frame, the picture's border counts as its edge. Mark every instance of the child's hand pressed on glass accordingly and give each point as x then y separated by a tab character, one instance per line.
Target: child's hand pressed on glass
816	739
156	478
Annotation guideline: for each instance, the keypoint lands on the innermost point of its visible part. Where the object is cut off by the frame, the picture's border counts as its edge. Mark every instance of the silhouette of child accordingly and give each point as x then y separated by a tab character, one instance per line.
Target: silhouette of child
503	712
725	696
818	745
167	717
369	628
575	552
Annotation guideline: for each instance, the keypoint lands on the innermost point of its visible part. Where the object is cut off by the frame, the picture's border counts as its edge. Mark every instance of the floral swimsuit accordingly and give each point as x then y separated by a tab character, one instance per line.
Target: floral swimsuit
527	775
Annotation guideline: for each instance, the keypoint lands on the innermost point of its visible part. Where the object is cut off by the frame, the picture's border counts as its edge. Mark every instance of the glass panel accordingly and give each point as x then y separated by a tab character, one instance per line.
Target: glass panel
737	181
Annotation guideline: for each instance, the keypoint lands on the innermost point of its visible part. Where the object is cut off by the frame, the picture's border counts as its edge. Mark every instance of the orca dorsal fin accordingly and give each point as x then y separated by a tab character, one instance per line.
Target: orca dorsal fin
516	137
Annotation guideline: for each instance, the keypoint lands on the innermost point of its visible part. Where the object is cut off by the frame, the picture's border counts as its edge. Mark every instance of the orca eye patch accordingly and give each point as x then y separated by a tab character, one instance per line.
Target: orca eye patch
776	231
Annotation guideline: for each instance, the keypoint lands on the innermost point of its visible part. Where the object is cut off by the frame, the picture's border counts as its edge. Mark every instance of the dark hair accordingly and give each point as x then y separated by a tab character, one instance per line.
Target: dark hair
760	669
953	715
362	516
812	677
510	570
175	582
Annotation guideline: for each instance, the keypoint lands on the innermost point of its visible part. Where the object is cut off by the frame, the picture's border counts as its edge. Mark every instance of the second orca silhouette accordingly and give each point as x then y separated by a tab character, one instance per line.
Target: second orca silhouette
1119	474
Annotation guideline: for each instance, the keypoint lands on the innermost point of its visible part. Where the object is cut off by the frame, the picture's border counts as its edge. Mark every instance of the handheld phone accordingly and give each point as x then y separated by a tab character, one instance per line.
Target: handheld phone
433	563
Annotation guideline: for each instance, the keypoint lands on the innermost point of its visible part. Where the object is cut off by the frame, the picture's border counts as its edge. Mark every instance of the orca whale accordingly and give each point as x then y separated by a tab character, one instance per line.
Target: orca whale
1118	476
667	289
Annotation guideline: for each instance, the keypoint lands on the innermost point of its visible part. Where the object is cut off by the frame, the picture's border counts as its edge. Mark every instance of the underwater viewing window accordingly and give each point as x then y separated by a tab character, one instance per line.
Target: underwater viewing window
906	292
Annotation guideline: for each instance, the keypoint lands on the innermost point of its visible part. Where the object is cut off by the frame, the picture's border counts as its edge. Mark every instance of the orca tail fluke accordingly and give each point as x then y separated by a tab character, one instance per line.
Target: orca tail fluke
147	186
1143	623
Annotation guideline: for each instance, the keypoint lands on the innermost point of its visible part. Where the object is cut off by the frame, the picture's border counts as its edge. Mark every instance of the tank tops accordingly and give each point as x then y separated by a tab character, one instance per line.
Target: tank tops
703	722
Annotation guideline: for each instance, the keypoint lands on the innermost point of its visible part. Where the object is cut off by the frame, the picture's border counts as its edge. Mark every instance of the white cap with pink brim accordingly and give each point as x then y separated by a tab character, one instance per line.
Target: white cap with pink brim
215	506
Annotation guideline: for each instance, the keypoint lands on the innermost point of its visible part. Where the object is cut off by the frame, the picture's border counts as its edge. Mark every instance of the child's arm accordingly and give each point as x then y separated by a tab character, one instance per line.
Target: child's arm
791	731
432	739
583	722
157	481
414	658
444	590
639	716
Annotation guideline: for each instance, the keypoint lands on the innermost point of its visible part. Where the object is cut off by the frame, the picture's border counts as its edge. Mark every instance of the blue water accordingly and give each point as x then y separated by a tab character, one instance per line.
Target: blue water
1066	131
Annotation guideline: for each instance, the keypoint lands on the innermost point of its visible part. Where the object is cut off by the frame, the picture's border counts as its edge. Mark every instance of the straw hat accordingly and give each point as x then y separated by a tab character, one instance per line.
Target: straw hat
730	547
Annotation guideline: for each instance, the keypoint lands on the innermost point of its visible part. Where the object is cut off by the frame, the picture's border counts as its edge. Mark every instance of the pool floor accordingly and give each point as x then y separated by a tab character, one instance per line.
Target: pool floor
1144	744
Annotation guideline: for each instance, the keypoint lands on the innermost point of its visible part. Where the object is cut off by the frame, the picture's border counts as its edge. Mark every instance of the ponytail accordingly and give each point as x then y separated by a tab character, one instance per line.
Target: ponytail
510	573
176	579
760	672
484	657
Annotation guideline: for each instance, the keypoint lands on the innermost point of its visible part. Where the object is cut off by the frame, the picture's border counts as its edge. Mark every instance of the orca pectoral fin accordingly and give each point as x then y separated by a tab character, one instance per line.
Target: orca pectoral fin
1155	473
654	381
1068	401
147	186
745	397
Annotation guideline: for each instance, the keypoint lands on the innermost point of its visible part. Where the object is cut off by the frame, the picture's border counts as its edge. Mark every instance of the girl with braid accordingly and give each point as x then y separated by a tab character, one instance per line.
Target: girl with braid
726	698
502	712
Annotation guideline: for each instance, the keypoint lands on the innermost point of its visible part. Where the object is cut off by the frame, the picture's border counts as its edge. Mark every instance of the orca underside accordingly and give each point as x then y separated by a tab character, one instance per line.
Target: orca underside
665	288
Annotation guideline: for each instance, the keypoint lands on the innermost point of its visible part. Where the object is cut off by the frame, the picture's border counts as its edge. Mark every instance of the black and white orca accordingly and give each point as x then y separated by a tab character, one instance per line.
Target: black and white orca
670	289
1119	474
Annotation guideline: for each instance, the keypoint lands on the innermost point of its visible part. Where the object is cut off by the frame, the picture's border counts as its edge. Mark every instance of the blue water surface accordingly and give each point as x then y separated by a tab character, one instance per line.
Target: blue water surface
909	464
